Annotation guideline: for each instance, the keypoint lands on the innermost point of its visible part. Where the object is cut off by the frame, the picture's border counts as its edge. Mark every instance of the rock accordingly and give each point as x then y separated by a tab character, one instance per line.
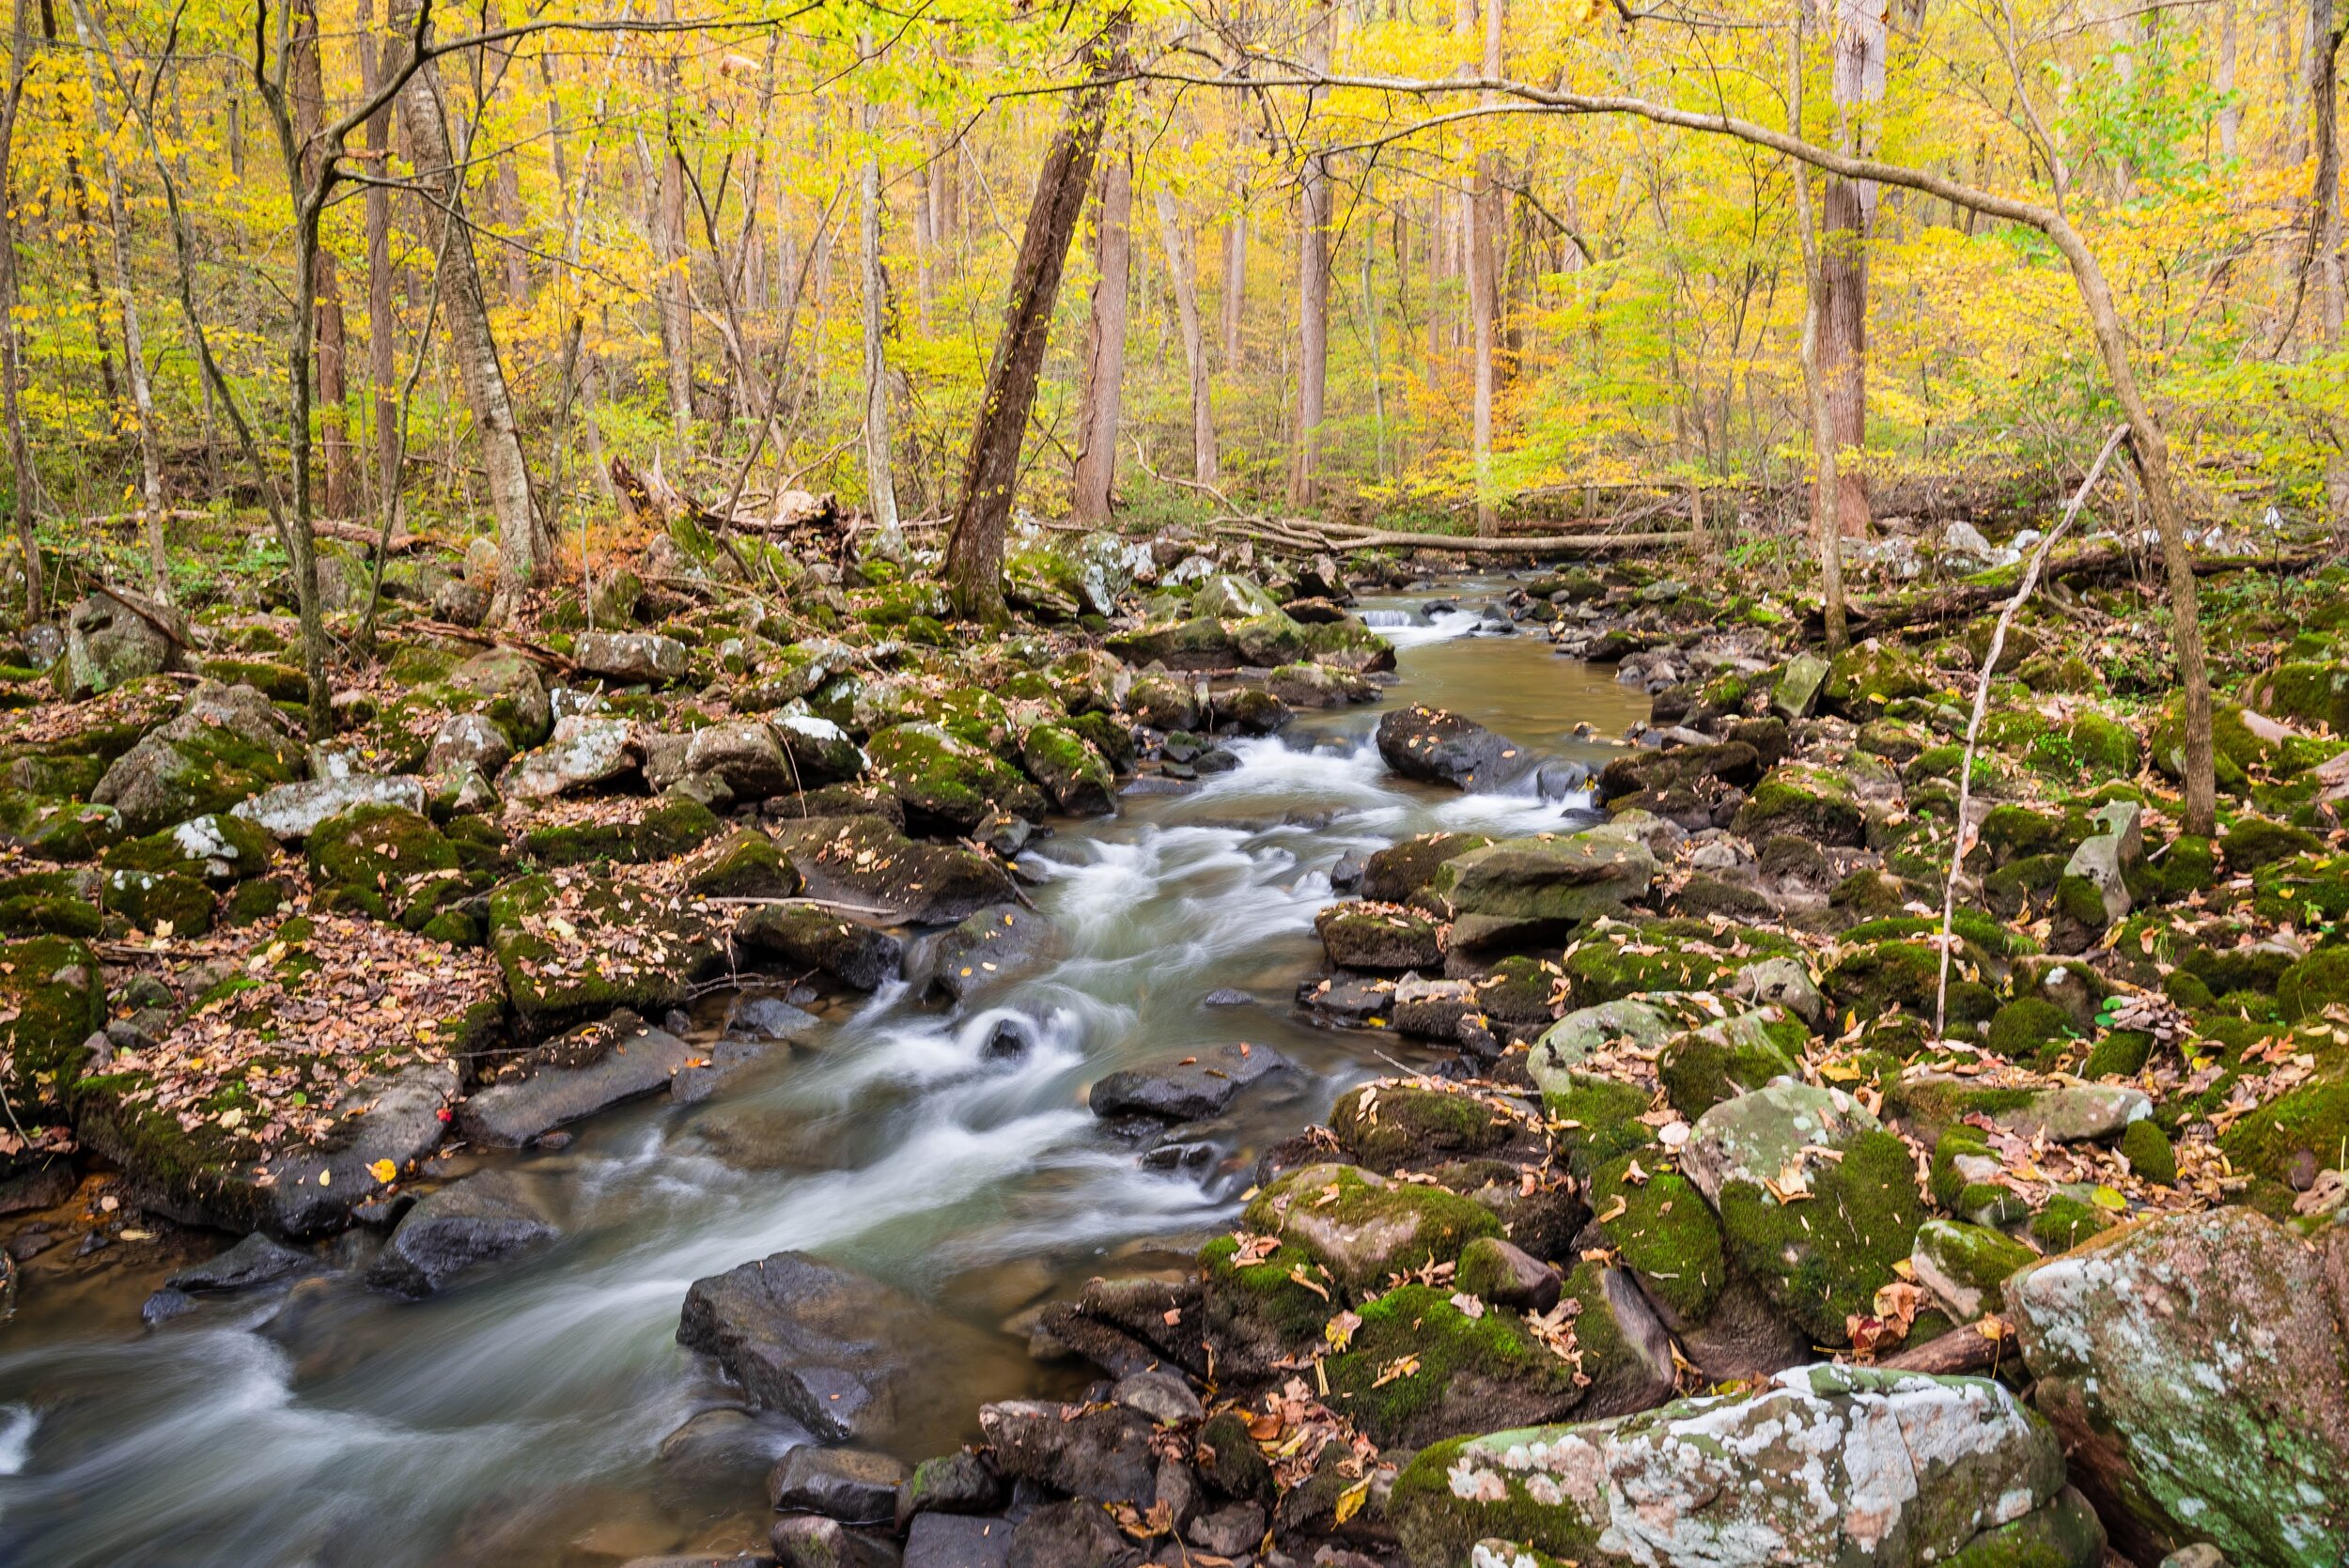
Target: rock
2196	1366
1073	1534
743	754
867	862
582	751
1199	643
1392	874
844	1356
2098	863
468	741
290	813
461	603
156	1311
1165	1397
745	864
1436	747
1797	690
1565	1045
256	1260
808	1541
1627	1353
1070	771
1189	1088
956	1541
1229	1531
807	936
590	1069
998	943
226	744
1506	1275
1357	1227
482	1218
2076	1113
959	1482
821	751
1379	937
1228	598
1821	1465
1318	686
503	686
946	780
1101	1453
1755	1136
1784	982
579	948
1575	878
114	638
630	655
856	1487
1966	1265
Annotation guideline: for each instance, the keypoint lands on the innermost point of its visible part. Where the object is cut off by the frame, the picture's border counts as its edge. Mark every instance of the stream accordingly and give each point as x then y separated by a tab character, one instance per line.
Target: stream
544	1414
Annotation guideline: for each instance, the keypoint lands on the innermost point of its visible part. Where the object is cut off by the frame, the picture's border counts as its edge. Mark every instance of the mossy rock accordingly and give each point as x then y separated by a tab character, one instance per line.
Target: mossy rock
1420	1370
384	860
1932	1104
577	951
2065	1221
2121	1053
1260	1313
1595	1119
745	864
1871	978
1985	937
671	826
1440	1527
2316	983
2092	746
160	902
1361	1228
2309	692
52	998
2025	886
1704	1067
2236	753
250	903
2252	842
1810	802
1967	1265
1108	735
1411	1127
221	848
1870	894
2298	1133
51	903
1394	874
1619	959
2149	1151
1865	678
2180	869
1823	1258
1664	1232
279	683
1077	778
2026	1026
944	780
2010	831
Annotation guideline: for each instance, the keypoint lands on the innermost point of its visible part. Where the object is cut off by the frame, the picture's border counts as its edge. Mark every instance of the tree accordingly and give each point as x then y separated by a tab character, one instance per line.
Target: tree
1483	286
25	483
879	483
1105	340
1180	266
1849	212
1313	286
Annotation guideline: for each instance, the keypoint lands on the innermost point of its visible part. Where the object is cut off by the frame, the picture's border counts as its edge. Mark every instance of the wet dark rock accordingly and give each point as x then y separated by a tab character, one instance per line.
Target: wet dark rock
1225	997
1101	1453
1346	1001
588	1070
1347	874
843	1355
485	1218
1165	1397
1074	1534
1186	1088
808	937
1392	874
165	1305
856	1487
769	1017
1215	760
1436	747
1183	1155
864	861
808	1541
1229	1531
993	945
958	1482
1008	1040
256	1260
957	1541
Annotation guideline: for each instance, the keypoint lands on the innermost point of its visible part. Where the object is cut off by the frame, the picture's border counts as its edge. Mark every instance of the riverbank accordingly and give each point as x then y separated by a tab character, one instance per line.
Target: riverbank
326	1003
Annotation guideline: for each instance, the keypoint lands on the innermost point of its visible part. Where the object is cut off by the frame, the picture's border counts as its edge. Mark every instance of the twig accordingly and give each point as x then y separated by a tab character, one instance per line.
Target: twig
1981	705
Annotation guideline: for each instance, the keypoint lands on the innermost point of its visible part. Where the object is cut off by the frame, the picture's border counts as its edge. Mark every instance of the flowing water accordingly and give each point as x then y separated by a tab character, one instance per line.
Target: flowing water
545	1415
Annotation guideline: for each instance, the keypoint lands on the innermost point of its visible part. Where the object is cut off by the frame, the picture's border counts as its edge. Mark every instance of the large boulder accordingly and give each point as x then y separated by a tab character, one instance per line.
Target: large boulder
590	1069
1189	1088
1563	881
1359	1227
998	943
821	751
291	811
116	637
866	863
1071	771
2198	1367
226	745
481	1219
1822	1464
630	655
584	749
946	780
844	1356
806	936
573	947
1436	747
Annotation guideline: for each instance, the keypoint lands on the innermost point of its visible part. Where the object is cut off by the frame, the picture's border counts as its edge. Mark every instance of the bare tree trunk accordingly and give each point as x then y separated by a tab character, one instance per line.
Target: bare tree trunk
1235	300
522	551
2222	80
1826	531
1179	266
326	289
1105	341
881	485
974	549
134	340
1377	371
2321	265
669	251
1313	287
25	486
382	327
1849	215
1483	280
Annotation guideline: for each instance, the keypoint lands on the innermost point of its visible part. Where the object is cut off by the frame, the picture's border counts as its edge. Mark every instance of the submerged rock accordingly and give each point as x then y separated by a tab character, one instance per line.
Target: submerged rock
485	1218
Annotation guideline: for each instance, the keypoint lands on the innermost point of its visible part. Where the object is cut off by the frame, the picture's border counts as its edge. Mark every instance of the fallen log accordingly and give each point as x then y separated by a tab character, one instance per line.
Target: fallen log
2093	566
1297	534
1976	1347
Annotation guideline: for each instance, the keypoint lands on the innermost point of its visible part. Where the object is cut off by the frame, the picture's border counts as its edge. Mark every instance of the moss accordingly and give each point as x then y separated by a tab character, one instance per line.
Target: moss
672	826
1413	1127
457	928
1705	1066
1867	677
1595	1120
2239	968
2187	865
1869	893
1108	736
1974	1257
54	998
2310	1122
1809	801
588	974
160	902
946	780
1276	1305
2236	752
1437	1528
1933	1105
1687	955
2013	832
57	903
2252	842
2095	746
1825	1257
1873	979
1664	1232
2147	1149
1361	1230
1462	1363
2316	983
384	860
256	900
744	864
192	848
2121	1053
279	683
2022	1028
2065	1222
1987	936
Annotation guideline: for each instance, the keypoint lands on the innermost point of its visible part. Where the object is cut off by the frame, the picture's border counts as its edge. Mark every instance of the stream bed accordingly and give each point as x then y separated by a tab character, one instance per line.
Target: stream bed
544	1414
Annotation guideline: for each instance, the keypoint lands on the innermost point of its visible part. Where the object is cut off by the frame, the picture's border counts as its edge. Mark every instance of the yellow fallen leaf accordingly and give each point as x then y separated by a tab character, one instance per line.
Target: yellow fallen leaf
1351	1501
384	1171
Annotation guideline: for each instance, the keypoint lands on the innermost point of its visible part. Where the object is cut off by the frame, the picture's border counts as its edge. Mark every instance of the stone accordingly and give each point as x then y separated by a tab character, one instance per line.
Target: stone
868	863
483	1218
468	741
630	655
947	782
226	745
811	1541
998	943
1432	745
844	1356
821	751
1102	1453
1073	1534
2076	1113
257	1260
1229	1531
2100	863
1784	982
1575	879
582	751
743	754
856	1487
1966	1265
1506	1275
957	1541
589	1069
115	638
2196	1366
1384	937
1797	690
808	937
1565	1045
1359	1227
1189	1088
1821	1465
1754	1138
290	813
461	603
1074	774
1165	1397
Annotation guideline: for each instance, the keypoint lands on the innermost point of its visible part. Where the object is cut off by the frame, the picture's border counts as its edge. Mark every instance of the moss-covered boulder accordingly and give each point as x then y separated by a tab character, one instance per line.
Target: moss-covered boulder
1360	1228
1419	1368
1871	978
53	902
1866	677
946	781
2304	890
2309	692
1658	1224
228	744
220	847
1622	959
622	832
1391	1126
1077	777
1966	1265
1394	874
53	998
1822	1249
1819	1465
573	948
1810	802
745	864
2237	754
1558	880
1379	937
167	903
386	861
1199	643
1703	1066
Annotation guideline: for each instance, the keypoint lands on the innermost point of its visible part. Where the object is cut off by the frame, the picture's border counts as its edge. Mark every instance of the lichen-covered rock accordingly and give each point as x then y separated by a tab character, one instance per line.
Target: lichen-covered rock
290	813
1835	1465
590	1069
114	638
1360	1228
1567	1043
1754	1137
945	780
1436	747
222	850
630	655
2198	1366
1966	1265
582	750
226	745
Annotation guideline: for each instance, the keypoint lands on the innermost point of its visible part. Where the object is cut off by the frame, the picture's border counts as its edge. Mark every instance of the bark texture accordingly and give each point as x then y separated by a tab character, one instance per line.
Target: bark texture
1105	341
1179	265
1848	210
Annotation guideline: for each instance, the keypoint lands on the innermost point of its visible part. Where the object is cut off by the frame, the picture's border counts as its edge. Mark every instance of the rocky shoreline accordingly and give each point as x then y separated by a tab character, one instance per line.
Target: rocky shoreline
1702	1243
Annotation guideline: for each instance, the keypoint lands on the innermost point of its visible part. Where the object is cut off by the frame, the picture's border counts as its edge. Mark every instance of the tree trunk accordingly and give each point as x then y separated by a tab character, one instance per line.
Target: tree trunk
2321	272
1313	286
1179	266
2222	80
1483	280
974	548
1848	213
25	486
382	328
1235	300
1105	341
881	485
326	289
134	340
1826	533
523	554
668	241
